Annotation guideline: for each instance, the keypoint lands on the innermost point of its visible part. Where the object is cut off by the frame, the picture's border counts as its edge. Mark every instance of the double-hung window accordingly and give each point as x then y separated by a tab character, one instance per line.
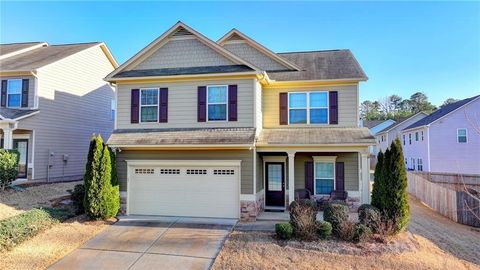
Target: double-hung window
422	135
420	164
403	139
324	171
14	93
149	105
416	136
112	109
217	100
308	108
413	164
462	135
410	138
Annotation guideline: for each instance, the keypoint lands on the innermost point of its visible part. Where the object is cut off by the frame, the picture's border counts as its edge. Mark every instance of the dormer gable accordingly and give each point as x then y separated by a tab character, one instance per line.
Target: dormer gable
245	47
180	48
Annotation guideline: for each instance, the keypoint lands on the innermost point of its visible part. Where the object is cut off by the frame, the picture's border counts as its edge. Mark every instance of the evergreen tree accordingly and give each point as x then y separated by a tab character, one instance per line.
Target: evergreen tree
101	198
378	181
396	199
114	167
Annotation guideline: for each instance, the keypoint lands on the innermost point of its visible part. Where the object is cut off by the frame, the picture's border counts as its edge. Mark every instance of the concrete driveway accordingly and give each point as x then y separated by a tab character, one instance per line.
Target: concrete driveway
152	243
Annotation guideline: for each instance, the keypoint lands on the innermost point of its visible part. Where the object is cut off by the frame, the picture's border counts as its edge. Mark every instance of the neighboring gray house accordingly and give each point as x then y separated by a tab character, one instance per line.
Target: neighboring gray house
386	136
446	141
375	126
53	98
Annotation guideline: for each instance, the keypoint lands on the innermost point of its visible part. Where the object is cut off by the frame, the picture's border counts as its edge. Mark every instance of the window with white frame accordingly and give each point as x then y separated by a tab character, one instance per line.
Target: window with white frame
404	139
416	136
419	164
112	109
308	108
462	135
14	93
413	164
149	105
217	100
324	171
410	138
422	135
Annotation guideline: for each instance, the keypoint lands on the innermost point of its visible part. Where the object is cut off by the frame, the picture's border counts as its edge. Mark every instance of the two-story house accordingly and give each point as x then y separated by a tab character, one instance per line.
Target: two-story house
386	136
229	128
446	141
53	98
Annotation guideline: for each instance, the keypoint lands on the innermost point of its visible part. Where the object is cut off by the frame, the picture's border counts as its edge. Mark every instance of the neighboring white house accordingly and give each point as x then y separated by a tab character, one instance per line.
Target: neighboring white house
386	136
53	97
377	125
446	141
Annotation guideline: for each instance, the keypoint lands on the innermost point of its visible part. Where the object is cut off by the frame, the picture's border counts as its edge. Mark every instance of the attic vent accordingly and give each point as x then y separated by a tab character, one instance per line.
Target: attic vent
181	32
235	37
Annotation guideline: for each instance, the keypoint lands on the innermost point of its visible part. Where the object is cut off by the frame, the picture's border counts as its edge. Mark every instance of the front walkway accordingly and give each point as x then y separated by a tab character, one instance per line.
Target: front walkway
151	242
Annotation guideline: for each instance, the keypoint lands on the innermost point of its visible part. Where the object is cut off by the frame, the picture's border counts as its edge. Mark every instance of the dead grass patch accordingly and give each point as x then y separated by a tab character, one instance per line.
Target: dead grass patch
15	202
51	245
254	250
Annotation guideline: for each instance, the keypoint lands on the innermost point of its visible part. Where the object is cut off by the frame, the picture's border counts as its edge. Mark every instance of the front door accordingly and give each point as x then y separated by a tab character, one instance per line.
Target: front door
275	184
22	147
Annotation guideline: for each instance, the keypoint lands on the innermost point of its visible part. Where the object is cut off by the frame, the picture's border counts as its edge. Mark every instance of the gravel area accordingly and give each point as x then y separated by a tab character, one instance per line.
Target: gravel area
15	202
47	247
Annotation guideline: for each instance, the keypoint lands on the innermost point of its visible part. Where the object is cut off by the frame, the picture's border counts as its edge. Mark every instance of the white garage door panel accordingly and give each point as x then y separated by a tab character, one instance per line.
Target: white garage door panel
183	194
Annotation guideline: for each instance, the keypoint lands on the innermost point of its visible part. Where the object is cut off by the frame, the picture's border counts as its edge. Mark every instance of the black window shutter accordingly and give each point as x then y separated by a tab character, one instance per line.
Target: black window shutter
25	93
3	96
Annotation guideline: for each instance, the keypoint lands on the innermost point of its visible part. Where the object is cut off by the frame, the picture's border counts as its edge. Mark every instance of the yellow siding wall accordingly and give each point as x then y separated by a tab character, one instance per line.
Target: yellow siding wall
347	105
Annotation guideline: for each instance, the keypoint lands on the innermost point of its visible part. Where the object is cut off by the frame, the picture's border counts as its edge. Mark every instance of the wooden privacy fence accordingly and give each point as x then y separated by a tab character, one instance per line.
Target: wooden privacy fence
454	204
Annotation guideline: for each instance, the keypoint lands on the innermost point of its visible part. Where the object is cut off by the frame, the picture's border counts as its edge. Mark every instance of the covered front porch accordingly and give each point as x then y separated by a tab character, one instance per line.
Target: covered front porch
283	176
12	137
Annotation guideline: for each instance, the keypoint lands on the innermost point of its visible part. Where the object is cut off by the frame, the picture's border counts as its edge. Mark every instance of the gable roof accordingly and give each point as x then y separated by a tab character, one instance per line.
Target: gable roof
42	56
179	29
321	65
7	50
399	122
14	114
373	123
440	113
234	34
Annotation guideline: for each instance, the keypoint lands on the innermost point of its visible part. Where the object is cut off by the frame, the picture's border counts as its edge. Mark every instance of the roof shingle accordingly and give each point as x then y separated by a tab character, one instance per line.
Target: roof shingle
40	57
315	136
8	113
182	71
13	47
182	136
441	112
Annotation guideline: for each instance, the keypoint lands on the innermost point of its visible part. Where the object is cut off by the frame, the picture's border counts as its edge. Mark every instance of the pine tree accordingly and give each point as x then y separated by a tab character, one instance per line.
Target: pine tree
378	182
396	203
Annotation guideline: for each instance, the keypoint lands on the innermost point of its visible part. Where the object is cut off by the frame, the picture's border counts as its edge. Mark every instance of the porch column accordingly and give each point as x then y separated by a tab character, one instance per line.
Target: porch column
291	177
8	127
365	176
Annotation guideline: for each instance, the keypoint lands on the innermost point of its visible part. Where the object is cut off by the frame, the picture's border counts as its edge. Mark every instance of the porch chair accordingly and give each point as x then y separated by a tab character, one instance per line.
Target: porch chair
302	193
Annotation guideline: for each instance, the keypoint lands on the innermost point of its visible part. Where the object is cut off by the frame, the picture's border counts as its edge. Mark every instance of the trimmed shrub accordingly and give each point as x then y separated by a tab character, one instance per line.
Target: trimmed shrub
77	196
8	167
362	233
378	183
303	215
16	229
370	216
284	230
345	230
324	229
102	200
335	214
113	155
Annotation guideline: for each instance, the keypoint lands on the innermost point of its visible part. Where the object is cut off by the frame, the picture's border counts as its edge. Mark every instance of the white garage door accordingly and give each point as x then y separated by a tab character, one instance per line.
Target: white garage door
193	191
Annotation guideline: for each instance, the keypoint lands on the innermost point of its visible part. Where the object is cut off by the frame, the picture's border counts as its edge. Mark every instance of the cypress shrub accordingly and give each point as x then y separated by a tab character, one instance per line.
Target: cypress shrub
378	183
113	162
396	206
8	167
101	198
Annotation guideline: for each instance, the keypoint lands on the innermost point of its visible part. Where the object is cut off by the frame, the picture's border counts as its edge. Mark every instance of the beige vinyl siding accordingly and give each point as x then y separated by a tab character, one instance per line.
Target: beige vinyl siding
254	56
182	104
347	105
31	88
183	53
351	169
246	156
74	103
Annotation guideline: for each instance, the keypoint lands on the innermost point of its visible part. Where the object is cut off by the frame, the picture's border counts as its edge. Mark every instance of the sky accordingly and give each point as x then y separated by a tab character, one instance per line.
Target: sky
403	47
